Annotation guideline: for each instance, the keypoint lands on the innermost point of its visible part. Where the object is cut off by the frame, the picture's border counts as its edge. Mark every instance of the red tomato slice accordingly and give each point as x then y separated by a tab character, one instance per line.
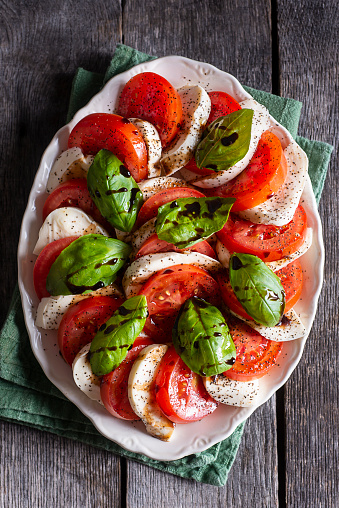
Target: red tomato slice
114	386
180	392
255	354
261	179
115	133
82	321
222	104
44	262
168	289
269	243
70	193
291	279
152	98
150	208
153	245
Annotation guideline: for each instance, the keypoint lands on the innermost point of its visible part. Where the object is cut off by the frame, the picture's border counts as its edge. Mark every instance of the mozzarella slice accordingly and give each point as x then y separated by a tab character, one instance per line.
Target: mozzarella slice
141	392
153	145
64	222
142	234
231	392
154	185
51	310
279	209
260	124
142	268
83	376
290	328
70	164
196	107
224	254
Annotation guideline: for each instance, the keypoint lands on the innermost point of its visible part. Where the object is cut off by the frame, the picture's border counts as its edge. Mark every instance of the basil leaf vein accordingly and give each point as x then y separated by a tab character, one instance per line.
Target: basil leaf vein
186	221
110	345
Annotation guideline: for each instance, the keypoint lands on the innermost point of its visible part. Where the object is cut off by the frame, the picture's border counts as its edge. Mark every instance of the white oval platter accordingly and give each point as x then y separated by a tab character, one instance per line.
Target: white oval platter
195	437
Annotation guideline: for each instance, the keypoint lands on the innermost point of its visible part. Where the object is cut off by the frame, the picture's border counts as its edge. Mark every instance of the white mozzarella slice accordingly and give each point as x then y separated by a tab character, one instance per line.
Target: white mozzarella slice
224	254
83	376
141	392
124	236
279	209
142	268
142	234
70	164
154	185
291	328
260	124
153	145
196	107
51	310
64	222
231	392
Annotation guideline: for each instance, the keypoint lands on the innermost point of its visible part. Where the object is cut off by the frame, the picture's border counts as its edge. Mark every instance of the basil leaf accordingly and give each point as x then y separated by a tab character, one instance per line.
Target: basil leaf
258	289
226	141
88	263
114	190
202	339
187	221
110	345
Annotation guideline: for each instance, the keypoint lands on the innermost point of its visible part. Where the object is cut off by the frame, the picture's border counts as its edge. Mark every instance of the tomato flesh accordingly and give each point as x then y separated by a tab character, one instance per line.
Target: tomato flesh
71	193
222	104
152	98
291	277
149	209
82	321
269	243
44	262
168	289
255	354
180	392
116	134
114	386
261	179
153	245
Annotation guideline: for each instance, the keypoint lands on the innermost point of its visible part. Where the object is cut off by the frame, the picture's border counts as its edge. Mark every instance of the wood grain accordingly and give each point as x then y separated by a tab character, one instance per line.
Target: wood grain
308	44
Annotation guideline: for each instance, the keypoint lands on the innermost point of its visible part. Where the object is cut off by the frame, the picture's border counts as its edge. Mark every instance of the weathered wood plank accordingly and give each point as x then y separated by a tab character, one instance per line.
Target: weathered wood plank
39	470
235	37
308	45
42	44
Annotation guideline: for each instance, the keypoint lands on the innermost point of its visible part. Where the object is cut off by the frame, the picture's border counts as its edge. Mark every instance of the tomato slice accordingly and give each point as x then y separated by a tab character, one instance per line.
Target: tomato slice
222	104
150	208
44	262
180	393
261	179
82	321
291	277
168	289
153	245
269	243
255	354
71	193
152	98
115	133
114	386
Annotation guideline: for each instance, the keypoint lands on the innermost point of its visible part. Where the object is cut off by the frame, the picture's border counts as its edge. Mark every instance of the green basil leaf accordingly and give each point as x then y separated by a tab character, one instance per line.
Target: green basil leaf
202	339
110	345
226	141
258	289
114	190
187	221
88	263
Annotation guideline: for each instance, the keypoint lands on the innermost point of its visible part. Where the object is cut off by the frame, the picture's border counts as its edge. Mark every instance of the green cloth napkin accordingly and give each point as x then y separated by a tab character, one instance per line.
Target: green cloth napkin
28	397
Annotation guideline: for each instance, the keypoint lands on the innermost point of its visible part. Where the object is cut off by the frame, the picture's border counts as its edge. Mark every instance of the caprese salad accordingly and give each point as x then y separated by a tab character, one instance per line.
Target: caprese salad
168	256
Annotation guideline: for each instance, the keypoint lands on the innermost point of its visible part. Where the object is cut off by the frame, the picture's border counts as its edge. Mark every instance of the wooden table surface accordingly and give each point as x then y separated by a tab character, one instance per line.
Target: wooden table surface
288	455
